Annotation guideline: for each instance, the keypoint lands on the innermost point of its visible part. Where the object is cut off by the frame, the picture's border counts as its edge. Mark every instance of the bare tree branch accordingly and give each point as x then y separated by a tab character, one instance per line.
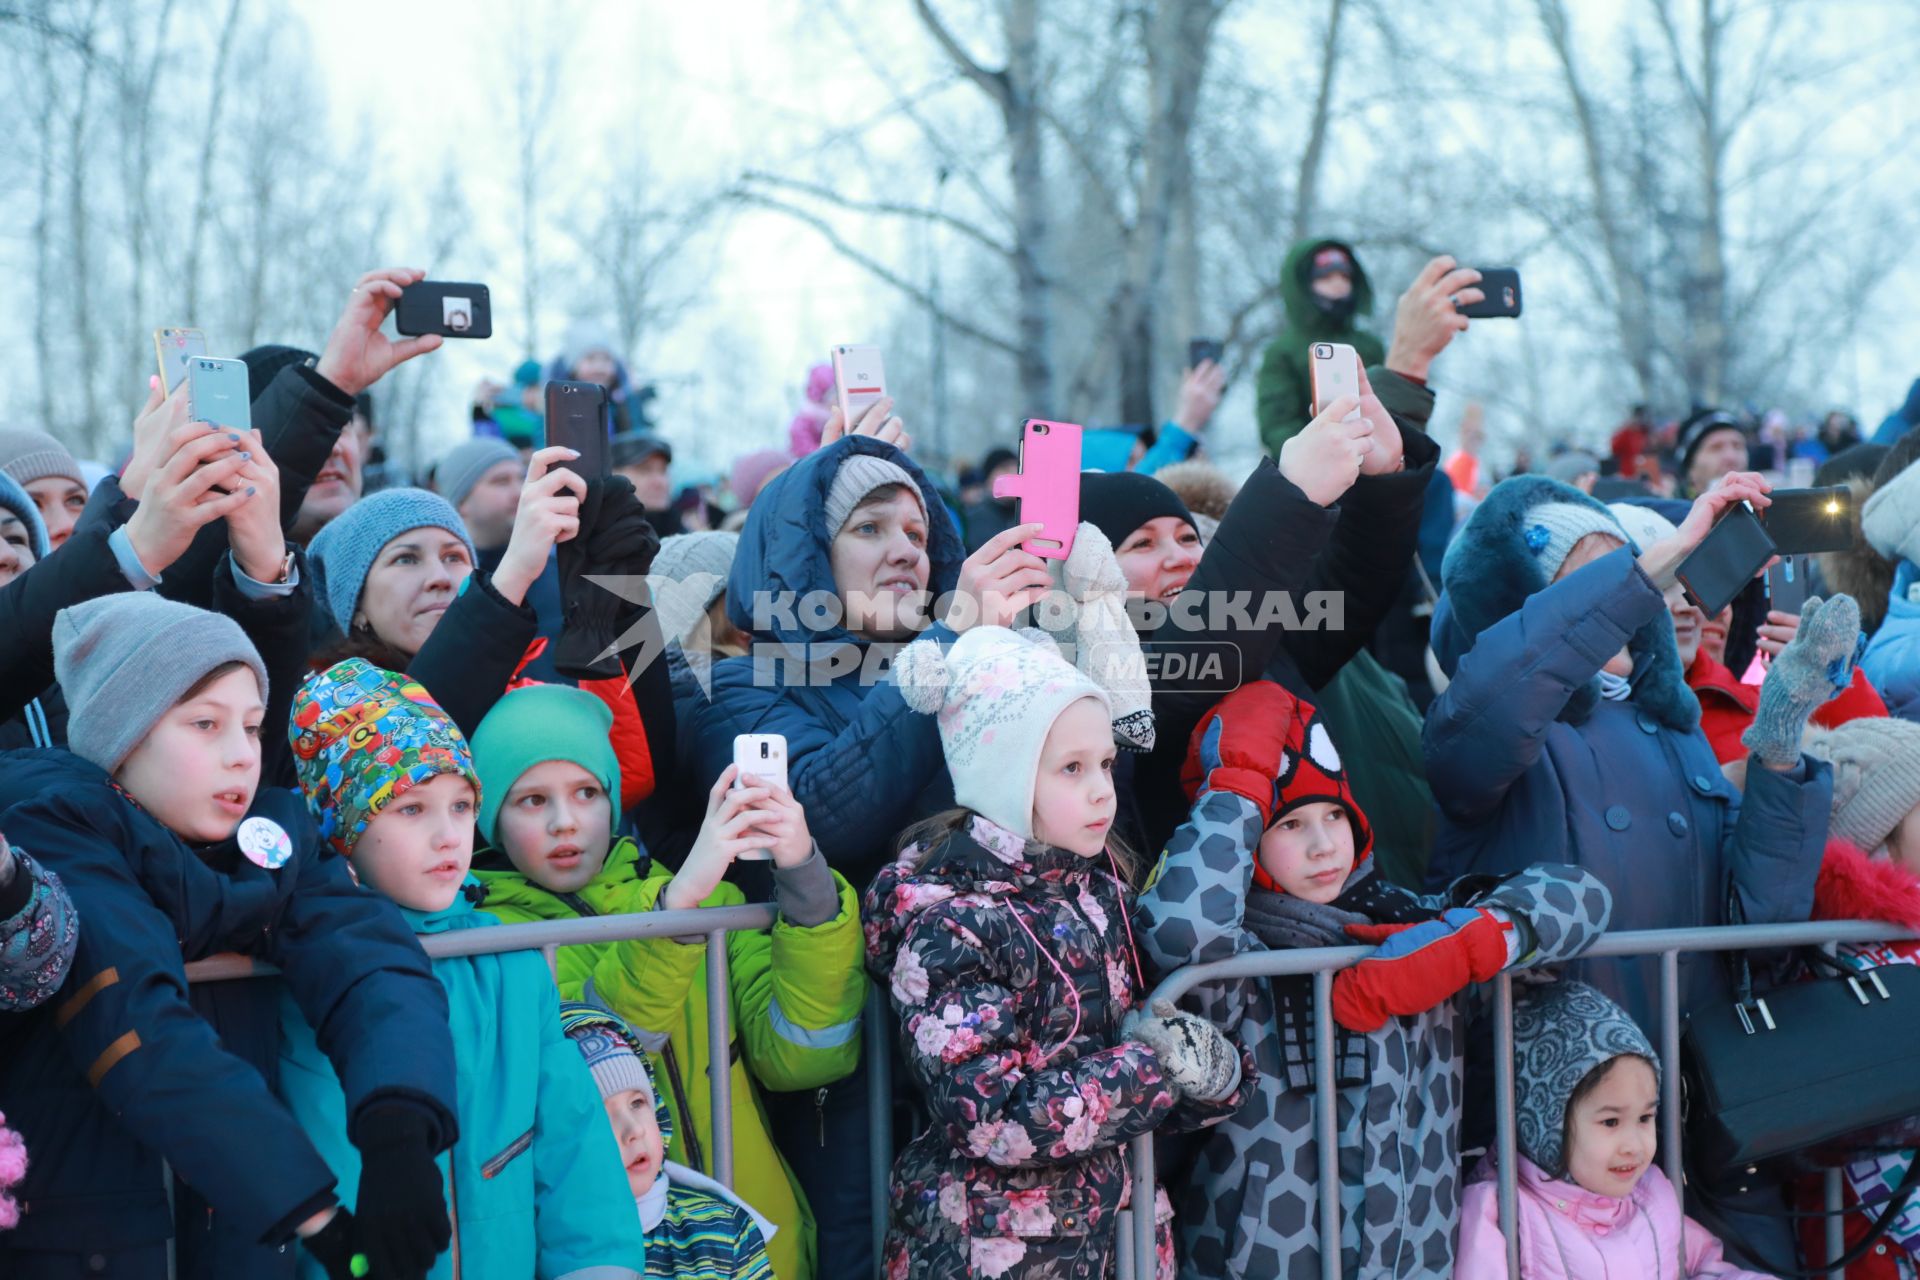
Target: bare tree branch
994	83
890	207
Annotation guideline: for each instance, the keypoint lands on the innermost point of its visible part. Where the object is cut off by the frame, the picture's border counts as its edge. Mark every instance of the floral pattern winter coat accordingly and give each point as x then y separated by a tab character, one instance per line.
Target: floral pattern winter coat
1011	968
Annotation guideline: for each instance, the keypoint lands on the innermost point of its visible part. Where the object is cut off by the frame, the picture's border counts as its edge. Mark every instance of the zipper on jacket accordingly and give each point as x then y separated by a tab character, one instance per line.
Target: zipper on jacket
820	1110
514	1150
688	1132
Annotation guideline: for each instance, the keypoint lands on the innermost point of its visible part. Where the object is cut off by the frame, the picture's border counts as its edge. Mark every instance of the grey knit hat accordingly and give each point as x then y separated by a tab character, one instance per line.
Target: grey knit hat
1561	1032
466	462
125	660
859	476
28	455
1553	529
343	553
1644	526
684	557
1876	777
1890	521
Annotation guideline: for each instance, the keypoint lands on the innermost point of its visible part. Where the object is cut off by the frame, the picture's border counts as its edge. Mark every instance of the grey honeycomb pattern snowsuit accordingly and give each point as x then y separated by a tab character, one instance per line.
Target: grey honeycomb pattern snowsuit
1251	1206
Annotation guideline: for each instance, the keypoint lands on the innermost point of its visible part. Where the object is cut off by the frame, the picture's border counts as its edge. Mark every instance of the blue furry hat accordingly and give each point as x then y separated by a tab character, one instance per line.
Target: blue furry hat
1498	560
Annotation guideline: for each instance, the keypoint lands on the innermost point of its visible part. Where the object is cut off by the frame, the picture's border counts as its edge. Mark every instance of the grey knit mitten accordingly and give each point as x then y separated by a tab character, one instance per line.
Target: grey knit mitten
1814	668
1200	1062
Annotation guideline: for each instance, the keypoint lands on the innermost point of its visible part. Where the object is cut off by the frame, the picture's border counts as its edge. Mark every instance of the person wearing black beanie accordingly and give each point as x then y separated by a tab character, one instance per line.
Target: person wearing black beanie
1118	502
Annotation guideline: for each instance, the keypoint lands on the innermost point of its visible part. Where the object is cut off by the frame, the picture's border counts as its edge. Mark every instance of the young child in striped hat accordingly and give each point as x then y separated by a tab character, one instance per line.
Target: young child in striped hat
696	1229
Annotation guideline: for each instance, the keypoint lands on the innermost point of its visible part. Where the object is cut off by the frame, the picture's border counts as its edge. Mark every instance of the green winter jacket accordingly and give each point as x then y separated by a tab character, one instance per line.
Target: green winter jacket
797	999
537	1188
1284	389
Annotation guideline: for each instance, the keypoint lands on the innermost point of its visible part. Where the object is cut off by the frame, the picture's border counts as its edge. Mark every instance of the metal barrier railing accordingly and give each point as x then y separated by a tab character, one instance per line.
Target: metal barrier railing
708	926
1323	963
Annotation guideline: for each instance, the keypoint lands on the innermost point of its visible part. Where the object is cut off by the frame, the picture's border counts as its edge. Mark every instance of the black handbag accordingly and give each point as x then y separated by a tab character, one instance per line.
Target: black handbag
1804	1075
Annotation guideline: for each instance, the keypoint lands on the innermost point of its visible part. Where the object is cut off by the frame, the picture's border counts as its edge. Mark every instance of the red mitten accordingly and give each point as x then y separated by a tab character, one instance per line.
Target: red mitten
1417	966
1239	745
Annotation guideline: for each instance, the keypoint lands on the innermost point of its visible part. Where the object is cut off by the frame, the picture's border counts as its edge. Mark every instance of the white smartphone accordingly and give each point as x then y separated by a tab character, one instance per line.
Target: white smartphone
860	380
764	756
1336	373
176	349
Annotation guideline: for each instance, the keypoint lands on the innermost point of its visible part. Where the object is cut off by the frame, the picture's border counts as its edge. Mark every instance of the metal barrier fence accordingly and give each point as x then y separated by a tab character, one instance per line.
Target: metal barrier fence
1323	963
700	925
710	925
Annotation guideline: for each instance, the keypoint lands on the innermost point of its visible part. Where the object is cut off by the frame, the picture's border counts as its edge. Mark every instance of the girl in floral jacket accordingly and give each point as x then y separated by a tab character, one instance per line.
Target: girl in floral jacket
1002	933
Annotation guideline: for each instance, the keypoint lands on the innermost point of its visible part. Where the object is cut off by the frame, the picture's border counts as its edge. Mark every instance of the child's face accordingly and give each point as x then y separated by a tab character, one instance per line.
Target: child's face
637	1132
1611	1133
197	769
1903	846
556	825
1309	851
1073	796
418	849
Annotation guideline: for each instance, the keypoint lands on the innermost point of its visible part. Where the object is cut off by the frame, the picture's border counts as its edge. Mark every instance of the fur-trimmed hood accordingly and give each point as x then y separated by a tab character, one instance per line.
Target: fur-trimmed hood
1490	572
1853	886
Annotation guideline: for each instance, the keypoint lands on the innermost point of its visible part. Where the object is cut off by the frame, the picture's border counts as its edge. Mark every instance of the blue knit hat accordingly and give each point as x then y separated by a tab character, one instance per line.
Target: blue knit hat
19	502
343	553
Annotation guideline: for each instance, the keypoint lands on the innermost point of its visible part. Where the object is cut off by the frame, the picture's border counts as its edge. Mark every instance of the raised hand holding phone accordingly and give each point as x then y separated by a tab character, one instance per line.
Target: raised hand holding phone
877	421
1426	318
727	833
999	580
357	353
197	483
164	413
1661	561
1387	451
253	528
549	514
1325	458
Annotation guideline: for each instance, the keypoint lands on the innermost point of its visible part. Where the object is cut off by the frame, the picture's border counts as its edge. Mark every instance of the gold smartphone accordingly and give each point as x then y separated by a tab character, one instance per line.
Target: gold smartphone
175	349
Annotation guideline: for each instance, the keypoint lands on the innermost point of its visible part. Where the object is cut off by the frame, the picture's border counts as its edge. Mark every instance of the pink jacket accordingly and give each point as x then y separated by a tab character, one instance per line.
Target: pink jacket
1569	1233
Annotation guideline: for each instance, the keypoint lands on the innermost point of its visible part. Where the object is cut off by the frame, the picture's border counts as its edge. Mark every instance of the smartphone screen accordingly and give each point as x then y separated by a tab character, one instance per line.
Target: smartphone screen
1336	372
577	418
1203	349
861	380
217	393
1501	285
1726	560
175	348
1805	521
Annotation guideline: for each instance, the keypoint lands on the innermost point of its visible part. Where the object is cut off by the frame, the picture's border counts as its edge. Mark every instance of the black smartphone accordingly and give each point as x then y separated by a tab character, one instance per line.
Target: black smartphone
446	307
577	418
1501	285
1199	349
1726	560
1805	521
1787	588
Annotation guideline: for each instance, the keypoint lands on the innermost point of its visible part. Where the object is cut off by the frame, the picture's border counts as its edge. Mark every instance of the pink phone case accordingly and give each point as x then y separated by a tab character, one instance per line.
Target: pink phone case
1048	485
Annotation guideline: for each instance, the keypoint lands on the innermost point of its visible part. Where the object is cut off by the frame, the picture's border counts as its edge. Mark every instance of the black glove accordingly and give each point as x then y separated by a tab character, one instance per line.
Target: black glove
614	540
332	1246
402	1225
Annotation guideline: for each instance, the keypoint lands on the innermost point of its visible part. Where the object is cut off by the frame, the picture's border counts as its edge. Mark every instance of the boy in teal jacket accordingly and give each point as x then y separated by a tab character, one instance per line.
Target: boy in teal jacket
537	1188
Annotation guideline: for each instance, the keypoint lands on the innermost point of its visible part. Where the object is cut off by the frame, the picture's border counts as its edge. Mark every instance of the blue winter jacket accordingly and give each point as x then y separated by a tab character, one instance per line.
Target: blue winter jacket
861	761
1527	764
126	1067
538	1190
1892	659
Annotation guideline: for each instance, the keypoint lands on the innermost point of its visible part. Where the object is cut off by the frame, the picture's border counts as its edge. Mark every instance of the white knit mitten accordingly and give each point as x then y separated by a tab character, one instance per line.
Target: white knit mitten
1099	635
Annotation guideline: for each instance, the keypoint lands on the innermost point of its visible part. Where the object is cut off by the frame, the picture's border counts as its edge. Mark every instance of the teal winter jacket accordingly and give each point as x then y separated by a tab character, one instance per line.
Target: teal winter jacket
538	1191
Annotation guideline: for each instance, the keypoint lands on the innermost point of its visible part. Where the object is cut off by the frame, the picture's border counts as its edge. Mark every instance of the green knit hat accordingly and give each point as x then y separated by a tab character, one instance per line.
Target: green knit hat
535	724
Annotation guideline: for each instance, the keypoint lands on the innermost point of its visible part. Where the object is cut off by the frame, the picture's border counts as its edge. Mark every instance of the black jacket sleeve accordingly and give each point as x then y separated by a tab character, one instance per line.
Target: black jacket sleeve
644	657
474	651
1365	561
277	626
300	416
82	568
368	990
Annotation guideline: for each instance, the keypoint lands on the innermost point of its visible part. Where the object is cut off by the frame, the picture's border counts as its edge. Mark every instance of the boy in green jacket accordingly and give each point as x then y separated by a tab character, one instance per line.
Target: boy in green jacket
536	1183
551	787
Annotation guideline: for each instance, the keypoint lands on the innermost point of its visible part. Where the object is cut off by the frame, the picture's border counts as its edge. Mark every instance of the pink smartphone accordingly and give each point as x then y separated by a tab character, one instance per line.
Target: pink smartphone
764	755
861	380
1336	373
1048	485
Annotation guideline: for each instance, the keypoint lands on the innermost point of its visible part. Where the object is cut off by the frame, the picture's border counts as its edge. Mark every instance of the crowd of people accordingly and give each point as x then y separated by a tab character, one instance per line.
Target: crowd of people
258	695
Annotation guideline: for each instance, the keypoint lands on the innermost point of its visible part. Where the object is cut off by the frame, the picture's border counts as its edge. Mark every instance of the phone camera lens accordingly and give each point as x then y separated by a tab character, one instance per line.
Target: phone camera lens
765	749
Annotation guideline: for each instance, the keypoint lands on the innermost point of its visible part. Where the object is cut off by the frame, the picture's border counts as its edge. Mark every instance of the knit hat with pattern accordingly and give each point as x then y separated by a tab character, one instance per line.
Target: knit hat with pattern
1561	1032
1876	777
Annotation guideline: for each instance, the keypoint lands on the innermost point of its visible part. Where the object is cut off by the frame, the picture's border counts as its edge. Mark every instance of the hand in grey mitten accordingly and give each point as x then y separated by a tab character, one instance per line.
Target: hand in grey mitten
1815	667
1200	1062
